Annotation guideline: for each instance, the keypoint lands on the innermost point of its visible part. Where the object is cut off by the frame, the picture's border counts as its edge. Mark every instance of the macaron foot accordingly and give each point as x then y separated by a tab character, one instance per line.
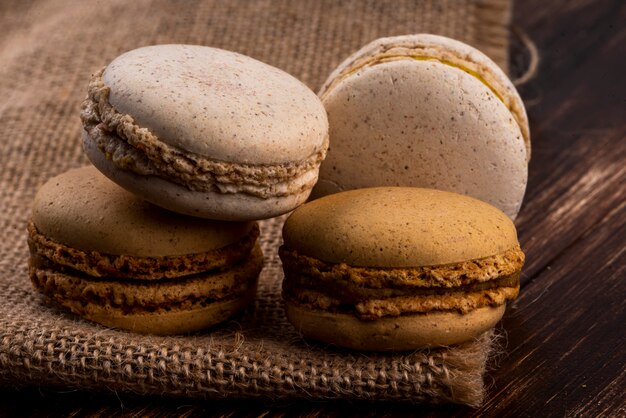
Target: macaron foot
401	333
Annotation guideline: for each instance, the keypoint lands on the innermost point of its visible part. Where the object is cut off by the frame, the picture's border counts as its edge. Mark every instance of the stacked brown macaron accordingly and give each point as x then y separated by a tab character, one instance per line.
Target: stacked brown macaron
216	138
111	257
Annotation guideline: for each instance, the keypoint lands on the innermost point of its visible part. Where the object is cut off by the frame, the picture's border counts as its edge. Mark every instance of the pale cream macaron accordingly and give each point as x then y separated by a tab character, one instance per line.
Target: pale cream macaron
398	268
205	132
113	258
426	111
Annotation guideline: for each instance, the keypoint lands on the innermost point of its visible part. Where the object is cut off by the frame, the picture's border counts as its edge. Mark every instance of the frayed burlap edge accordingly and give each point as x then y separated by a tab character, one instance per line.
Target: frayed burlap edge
64	358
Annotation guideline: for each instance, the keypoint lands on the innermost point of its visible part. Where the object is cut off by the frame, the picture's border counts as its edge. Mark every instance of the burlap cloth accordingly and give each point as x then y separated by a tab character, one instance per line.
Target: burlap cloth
48	49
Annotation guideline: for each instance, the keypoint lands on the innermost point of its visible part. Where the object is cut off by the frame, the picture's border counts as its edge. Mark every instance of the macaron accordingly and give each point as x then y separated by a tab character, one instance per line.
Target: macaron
426	111
113	258
205	132
398	268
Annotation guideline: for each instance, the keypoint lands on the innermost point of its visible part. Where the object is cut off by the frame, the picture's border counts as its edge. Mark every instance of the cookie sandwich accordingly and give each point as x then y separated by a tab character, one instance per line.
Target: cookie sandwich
205	132
426	111
398	268
106	255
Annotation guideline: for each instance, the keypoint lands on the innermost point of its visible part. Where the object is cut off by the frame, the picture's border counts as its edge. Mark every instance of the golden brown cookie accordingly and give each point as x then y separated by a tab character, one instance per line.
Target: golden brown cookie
398	268
113	258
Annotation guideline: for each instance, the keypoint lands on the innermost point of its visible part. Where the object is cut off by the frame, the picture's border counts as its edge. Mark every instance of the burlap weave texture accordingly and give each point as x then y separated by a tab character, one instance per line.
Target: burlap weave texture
48	49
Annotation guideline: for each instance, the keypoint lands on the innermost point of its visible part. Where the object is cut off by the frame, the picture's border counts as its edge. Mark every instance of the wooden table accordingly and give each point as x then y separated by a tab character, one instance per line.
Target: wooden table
565	337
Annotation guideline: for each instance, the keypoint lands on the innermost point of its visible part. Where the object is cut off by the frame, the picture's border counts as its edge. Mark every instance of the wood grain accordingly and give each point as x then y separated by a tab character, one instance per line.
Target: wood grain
565	337
567	332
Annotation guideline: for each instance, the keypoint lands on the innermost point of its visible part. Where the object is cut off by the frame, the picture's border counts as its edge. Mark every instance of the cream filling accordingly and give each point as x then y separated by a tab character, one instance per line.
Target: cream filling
481	72
370	309
443	276
96	264
374	292
66	286
133	148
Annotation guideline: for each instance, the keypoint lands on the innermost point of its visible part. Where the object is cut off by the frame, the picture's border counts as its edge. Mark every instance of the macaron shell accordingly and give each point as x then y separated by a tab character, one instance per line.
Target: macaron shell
398	227
444	49
170	322
84	210
217	103
407	332
209	205
420	123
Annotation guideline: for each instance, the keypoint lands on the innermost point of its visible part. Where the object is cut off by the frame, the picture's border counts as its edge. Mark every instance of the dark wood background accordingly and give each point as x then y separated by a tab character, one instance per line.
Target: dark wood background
565	336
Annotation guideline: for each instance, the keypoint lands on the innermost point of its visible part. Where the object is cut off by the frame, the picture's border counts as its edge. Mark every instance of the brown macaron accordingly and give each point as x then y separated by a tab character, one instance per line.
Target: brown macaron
398	268
106	255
